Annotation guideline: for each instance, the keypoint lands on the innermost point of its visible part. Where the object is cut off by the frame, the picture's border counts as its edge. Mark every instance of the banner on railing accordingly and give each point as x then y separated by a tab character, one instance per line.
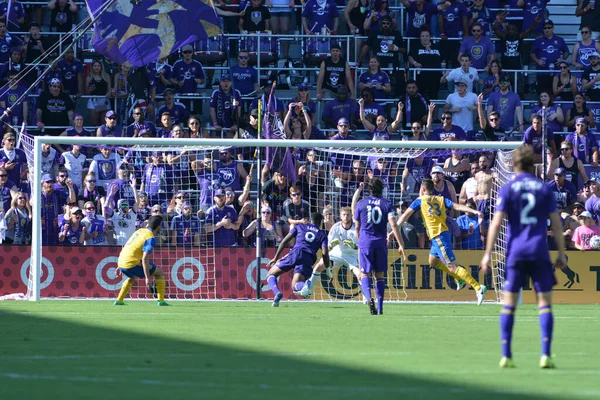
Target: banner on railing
229	273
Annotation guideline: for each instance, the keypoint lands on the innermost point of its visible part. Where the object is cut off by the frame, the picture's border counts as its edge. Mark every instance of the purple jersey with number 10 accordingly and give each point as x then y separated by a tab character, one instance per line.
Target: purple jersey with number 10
527	202
372	213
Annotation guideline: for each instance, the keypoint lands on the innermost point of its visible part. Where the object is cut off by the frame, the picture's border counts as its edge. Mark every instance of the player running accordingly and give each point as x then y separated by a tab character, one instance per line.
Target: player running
434	211
526	202
309	239
134	261
371	217
343	251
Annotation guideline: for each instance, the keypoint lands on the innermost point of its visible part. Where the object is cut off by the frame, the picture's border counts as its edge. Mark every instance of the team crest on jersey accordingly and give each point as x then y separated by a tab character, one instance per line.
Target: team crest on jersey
256	17
477	51
450	17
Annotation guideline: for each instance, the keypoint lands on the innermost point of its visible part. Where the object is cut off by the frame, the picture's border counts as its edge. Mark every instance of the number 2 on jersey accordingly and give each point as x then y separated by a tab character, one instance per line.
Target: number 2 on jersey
374	214
527	219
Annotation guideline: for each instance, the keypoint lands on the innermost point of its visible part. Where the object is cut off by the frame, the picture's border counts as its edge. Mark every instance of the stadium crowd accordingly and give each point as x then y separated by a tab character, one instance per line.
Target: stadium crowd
458	52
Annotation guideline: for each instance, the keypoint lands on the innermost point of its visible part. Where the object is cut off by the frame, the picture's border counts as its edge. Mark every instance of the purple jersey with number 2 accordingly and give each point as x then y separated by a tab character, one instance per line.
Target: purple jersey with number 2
372	213
527	202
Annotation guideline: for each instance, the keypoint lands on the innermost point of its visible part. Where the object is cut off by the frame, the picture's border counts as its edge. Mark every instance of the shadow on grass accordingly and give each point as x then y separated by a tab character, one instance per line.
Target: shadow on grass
47	358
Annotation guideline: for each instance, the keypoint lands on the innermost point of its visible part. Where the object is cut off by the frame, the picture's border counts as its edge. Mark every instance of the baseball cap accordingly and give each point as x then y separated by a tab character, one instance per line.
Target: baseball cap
585	214
186	204
559	171
76	210
594	54
168	90
504	78
219	192
461	81
109	113
343	121
55	81
187	47
335	45
578	204
341	89
387	18
302	86
590	181
47	178
254	112
581	120
548	22
437	170
156	207
225	77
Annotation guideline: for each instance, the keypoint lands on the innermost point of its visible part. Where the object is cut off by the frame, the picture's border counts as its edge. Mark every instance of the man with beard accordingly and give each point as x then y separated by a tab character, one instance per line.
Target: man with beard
335	72
386	43
185	227
110	127
563	190
590	80
230	170
478	46
484	178
340	107
139	124
571	222
547	51
224	108
52	204
447	131
222	222
55	109
442	187
415	105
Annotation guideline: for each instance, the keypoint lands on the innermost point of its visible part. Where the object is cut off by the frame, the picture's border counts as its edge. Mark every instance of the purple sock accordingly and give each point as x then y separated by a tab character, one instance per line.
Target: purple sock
298	286
507	320
365	284
379	292
546	325
272	280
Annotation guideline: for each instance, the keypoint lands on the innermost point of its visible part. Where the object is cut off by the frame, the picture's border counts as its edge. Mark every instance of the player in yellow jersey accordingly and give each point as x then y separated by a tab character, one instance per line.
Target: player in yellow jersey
434	210
134	261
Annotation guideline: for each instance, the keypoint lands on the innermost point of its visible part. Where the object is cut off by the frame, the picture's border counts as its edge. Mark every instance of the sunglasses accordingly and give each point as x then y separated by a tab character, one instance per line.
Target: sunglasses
91	181
548	27
90	208
415	127
112	117
565	149
77	215
10	140
243	57
21	198
179	197
187	208
494	119
229	193
564	67
265	212
303	90
62	176
385	23
155	211
3	176
187	52
445	118
476	30
579	124
56	86
585	32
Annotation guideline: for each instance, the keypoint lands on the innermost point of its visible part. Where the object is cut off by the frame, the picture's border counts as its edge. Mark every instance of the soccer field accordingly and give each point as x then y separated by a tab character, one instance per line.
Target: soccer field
249	350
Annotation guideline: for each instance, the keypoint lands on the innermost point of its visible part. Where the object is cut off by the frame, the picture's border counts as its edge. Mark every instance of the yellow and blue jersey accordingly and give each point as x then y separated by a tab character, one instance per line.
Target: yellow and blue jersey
433	211
142	241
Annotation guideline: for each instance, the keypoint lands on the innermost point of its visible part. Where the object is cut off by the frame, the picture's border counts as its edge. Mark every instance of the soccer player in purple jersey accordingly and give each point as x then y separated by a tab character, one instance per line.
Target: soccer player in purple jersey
526	202
370	218
309	239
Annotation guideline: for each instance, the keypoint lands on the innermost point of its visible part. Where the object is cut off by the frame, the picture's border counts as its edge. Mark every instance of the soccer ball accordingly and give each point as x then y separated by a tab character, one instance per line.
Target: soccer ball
595	242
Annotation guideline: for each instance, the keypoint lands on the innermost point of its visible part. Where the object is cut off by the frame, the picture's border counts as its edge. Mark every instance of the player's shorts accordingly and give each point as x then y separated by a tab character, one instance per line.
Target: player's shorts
485	207
137	271
541	274
441	247
373	260
300	261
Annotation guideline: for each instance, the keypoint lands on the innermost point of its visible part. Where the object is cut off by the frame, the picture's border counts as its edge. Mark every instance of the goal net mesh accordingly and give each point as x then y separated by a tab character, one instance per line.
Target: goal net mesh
208	251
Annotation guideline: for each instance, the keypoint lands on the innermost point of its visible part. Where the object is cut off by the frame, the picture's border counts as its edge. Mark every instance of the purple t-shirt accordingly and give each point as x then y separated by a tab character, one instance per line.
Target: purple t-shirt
154	179
583	146
455	131
320	15
533	139
380	78
372	213
479	51
549	50
592	205
222	236
453	18
70	73
336	110
505	105
309	238
223	104
185	229
9	97
178	113
567	194
188	73
533	8
527	202
244	78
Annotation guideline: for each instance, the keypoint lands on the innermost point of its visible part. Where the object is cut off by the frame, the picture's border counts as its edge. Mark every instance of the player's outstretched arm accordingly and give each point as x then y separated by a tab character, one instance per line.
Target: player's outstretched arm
491	240
282	246
463	208
357	195
404	217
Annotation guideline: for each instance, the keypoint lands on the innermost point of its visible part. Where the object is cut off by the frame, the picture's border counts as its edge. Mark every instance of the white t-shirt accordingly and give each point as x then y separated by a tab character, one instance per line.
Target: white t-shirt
124	225
464	118
470	186
470	77
105	169
75	166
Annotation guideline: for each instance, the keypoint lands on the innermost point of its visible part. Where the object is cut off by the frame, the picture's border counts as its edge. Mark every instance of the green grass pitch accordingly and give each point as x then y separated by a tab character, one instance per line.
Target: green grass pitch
249	350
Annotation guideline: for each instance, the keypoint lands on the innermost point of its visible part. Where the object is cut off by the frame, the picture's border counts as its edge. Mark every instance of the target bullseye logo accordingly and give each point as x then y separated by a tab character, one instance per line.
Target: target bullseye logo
190	267
251	273
114	283
44	283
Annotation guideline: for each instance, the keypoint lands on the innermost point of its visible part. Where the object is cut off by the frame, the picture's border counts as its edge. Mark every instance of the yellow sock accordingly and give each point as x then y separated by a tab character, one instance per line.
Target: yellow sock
125	289
445	269
466	276
160	289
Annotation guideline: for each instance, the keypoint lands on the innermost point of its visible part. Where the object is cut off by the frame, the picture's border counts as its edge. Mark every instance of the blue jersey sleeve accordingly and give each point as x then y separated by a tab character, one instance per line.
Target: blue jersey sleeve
415	205
149	245
448	203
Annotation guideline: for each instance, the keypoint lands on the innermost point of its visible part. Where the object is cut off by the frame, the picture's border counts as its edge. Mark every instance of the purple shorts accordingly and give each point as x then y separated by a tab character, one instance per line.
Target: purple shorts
373	260
301	261
484	207
541	274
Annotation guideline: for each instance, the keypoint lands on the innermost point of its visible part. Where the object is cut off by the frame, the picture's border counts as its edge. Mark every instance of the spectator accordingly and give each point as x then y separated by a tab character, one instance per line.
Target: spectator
161	73
165	125
91	192
469	187
334	72
328	218
317	15
72	73
418	168
585	193
376	80
224	107
122	220
275	191
34	43
123	187
54	109
73	232
296	210
573	167
412	231
456	168
425	54
484	178
564	85
341	107
349	181
380	10
6	43
311	179
49	160
584	142
18	111
478	46
179	174
534	12
187	72
154	180
12	160
442	187
304	97
511	41
447	131
590	16
420	13
533	137
52	204
554	114
97	84
582	49
592	204
230	170
121	83
480	13
208	180
175	207
491	83
18	220
297	123
547	51
590	80
63	15
584	232
76	129
506	104
110	127
144	210
492	130
185	228
256	18
139	124
580	110
15	63
222	221
571	222
371	109
342	162
564	190
193	123
8	190
61	182
355	15
380	129
386	43
176	110
472	228
265	98
95	226
453	24
271	233
464	73
461	104
105	166
140	90
245	77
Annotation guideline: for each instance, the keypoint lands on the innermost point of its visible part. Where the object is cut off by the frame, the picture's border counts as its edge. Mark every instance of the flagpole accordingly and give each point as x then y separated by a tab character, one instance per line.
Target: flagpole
259	232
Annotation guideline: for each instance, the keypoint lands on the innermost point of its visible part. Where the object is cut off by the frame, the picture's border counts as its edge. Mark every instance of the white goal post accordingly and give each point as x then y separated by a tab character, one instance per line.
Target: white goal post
398	150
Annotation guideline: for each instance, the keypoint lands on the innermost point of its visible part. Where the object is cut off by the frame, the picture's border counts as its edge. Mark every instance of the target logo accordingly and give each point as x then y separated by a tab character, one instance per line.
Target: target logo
191	276
46	276
251	273
112	281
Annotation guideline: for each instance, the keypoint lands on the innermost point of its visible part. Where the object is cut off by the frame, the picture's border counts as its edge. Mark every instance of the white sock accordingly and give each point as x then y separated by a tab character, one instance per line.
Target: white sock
315	278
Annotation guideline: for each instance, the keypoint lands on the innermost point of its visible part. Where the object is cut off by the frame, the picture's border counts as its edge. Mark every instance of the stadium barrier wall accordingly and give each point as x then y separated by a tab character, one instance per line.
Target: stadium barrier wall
89	272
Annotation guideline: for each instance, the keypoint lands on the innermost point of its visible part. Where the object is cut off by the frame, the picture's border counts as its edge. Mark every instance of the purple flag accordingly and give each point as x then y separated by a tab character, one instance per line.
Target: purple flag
152	29
278	158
